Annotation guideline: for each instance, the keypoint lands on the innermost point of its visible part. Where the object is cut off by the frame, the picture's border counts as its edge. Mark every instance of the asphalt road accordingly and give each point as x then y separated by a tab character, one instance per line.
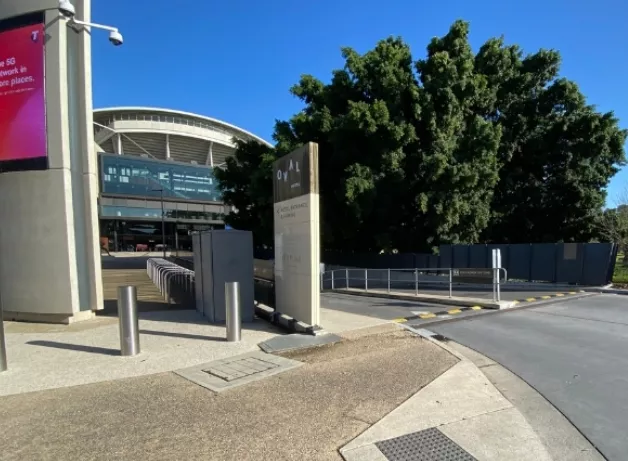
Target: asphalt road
573	353
380	308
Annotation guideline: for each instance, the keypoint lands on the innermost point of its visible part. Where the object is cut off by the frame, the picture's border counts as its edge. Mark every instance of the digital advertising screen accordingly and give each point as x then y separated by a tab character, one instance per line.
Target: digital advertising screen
23	143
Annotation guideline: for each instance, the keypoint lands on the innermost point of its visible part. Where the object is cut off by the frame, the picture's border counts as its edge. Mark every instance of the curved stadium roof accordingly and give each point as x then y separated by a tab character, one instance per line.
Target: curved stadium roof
166	134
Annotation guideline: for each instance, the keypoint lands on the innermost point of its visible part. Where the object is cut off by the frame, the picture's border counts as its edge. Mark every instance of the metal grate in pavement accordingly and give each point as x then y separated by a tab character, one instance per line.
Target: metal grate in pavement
221	375
230	370
427	445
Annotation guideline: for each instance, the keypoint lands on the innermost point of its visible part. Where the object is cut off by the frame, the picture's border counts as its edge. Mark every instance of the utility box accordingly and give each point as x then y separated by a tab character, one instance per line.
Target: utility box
223	256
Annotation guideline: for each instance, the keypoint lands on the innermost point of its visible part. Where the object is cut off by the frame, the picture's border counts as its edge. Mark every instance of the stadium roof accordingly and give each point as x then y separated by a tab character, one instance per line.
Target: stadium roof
167	134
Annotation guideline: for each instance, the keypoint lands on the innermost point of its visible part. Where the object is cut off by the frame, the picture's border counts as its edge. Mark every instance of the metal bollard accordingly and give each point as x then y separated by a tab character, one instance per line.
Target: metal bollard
234	321
366	279
347	278
3	346
450	283
388	280
127	317
416	282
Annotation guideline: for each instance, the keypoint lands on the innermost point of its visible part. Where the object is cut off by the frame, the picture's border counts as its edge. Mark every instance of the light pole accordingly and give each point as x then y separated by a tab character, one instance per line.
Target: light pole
163	221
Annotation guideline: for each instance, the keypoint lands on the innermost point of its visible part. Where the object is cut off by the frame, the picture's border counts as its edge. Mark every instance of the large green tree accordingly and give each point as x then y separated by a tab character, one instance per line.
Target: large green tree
246	184
453	148
557	153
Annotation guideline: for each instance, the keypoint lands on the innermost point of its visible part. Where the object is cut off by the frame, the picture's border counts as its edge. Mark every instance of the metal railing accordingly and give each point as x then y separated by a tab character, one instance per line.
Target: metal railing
176	283
413	281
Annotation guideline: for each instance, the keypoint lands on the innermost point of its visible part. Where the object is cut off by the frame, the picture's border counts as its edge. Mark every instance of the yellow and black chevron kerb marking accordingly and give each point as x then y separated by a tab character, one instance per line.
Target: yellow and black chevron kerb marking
457	310
432	315
546	297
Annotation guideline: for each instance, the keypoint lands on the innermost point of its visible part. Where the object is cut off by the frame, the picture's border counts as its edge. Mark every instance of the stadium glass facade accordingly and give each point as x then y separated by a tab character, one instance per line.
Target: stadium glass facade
130	210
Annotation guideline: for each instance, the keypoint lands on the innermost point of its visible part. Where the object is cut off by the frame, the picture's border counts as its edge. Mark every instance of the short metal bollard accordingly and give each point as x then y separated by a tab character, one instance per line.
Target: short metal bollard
3	346
234	320
127	317
416	282
450	283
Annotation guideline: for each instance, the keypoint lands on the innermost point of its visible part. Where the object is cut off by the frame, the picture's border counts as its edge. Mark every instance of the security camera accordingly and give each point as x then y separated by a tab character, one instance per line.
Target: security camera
115	38
67	9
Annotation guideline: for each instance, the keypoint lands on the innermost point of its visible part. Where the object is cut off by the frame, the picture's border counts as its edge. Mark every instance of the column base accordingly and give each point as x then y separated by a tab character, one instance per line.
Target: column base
64	319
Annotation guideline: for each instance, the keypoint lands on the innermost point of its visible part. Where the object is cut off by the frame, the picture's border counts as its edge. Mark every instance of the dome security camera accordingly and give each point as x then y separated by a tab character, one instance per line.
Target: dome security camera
115	38
67	9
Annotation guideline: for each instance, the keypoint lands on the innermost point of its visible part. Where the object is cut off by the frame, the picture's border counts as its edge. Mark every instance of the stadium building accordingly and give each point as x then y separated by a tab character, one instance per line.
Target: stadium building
149	158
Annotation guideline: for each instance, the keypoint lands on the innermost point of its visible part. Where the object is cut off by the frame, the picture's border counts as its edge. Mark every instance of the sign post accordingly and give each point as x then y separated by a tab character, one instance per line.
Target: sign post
497	264
297	234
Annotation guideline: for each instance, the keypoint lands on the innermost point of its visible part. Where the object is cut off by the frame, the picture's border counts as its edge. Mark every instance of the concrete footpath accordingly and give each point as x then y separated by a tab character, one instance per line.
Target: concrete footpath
471	415
351	399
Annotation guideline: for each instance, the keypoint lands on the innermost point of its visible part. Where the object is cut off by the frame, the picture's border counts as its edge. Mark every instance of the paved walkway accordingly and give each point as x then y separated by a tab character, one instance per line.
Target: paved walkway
361	397
44	356
307	413
148	296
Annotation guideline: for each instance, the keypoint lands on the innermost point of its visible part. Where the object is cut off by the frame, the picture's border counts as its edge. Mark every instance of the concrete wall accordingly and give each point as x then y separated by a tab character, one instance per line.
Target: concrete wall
49	249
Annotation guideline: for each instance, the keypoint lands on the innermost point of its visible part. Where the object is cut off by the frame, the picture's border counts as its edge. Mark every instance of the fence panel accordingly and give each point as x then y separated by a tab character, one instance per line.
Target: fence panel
478	256
519	261
569	260
543	266
598	263
577	263
434	262
461	256
446	255
421	260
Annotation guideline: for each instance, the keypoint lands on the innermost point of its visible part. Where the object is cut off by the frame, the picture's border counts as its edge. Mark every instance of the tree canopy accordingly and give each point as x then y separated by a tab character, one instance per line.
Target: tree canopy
458	147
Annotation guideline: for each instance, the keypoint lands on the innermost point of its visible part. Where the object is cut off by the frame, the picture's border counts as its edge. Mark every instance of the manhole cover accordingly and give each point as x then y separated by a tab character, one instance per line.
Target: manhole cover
231	372
427	445
240	368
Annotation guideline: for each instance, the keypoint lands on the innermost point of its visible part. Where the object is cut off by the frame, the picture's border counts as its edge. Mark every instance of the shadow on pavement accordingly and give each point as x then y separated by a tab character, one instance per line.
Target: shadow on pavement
111	262
111	307
182	335
75	347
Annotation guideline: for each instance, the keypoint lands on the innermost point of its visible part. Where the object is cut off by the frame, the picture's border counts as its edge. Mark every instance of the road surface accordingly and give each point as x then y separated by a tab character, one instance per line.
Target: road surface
574	353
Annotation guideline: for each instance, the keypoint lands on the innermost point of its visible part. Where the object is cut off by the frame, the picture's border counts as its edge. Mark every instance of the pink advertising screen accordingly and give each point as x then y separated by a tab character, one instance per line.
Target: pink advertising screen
22	103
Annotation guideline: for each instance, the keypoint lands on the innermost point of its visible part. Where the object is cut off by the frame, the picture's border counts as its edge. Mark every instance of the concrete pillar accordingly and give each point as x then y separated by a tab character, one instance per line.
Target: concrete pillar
49	247
167	147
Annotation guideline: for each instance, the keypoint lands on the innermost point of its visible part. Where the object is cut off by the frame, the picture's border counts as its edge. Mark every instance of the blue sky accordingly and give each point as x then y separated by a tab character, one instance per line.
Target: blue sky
235	60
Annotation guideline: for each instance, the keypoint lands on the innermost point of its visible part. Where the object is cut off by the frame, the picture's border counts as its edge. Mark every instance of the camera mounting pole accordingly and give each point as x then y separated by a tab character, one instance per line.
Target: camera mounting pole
74	21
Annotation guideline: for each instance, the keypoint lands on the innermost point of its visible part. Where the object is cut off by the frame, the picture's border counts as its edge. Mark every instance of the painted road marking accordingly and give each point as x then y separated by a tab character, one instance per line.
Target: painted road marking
477	308
400	320
427	316
454	311
530	299
572	293
546	297
559	294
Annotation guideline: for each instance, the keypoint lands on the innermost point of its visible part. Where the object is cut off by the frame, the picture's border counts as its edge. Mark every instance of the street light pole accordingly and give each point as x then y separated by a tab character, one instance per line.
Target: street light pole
163	222
163	225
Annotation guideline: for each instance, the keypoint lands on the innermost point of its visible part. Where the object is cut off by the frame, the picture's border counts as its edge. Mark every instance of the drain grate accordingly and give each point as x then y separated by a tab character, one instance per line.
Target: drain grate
427	445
